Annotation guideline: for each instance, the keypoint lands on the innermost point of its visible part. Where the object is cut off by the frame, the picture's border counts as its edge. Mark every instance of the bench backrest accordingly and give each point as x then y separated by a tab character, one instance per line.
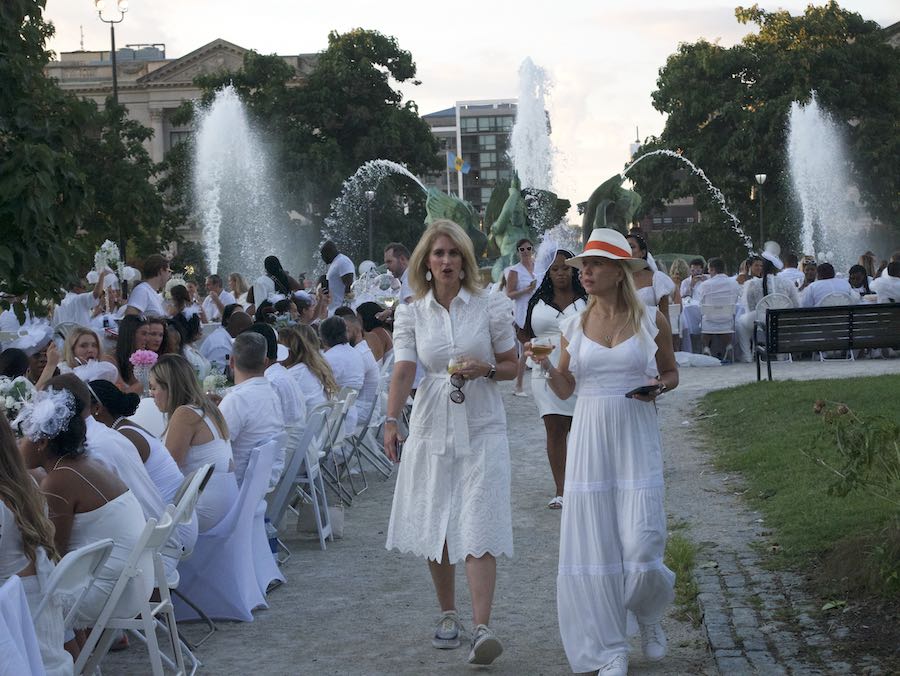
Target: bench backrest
838	327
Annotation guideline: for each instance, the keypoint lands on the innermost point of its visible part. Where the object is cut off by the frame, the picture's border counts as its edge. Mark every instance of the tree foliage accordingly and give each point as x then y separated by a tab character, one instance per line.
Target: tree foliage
727	111
70	175
344	113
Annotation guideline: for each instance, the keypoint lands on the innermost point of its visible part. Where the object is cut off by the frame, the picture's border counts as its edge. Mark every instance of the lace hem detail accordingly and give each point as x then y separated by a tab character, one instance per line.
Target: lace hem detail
495	552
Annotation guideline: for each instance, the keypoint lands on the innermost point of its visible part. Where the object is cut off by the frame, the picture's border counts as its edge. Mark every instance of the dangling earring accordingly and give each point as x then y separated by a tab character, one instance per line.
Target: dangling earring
428	276
462	274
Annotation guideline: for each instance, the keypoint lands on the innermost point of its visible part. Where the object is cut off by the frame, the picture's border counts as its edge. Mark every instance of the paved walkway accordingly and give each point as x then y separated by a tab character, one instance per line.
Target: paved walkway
358	609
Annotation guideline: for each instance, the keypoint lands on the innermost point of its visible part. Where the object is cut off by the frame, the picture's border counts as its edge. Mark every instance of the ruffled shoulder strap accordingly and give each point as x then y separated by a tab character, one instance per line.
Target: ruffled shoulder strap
648	333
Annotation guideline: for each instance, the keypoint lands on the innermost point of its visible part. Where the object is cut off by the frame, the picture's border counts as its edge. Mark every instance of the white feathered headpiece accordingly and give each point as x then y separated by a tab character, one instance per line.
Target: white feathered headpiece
47	414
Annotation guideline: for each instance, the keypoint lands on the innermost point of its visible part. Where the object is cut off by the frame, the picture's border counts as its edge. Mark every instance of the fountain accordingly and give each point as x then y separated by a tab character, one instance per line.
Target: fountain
818	167
346	226
713	190
234	194
530	149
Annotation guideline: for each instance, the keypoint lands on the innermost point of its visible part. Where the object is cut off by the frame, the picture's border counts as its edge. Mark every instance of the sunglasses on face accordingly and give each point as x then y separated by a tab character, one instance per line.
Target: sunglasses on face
457	396
526	248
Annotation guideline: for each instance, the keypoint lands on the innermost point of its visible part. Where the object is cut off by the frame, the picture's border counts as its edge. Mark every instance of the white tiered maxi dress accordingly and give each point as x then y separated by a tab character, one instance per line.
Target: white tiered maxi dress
613	531
453	484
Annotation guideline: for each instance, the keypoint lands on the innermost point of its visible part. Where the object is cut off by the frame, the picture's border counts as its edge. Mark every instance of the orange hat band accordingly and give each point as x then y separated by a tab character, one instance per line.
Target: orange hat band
607	247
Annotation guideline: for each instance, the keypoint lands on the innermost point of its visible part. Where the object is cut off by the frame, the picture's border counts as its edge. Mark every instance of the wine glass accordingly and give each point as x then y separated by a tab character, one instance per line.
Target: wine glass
540	349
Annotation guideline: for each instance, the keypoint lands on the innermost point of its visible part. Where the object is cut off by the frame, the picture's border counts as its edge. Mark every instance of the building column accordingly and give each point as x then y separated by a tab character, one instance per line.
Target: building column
157	143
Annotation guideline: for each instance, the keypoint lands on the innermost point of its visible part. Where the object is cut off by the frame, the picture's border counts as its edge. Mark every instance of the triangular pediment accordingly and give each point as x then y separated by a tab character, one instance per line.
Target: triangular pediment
215	57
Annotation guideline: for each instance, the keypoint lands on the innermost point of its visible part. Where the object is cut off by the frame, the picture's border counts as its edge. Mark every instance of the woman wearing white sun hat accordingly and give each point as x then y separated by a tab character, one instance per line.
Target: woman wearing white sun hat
613	531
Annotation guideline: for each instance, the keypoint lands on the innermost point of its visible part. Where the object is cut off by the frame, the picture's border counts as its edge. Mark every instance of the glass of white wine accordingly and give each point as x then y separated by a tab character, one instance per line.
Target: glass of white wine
541	348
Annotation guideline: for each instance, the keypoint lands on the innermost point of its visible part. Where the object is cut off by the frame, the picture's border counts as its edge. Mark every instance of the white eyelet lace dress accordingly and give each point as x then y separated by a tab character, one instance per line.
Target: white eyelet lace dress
453	484
613	531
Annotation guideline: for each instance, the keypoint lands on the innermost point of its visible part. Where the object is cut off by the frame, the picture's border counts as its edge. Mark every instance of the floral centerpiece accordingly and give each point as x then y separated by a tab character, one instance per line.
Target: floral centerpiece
143	361
109	257
214	382
14	394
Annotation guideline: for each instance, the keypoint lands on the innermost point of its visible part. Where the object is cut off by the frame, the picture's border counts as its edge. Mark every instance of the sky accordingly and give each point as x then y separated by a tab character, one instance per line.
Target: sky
602	57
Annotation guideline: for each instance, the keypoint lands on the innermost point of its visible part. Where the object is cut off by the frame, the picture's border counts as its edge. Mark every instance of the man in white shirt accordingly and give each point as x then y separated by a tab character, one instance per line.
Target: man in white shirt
726	291
887	286
78	305
217	298
396	259
293	403
791	271
826	283
347	364
369	390
690	285
144	298
251	408
340	275
217	346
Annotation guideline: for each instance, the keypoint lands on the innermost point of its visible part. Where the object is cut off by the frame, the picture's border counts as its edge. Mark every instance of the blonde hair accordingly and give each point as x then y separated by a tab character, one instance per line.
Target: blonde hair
238	283
418	262
73	337
628	295
303	343
23	498
176	374
680	267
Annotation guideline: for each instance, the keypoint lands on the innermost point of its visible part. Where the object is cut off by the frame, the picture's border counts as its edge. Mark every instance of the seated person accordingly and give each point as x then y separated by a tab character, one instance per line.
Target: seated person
694	280
251	409
307	366
859	280
346	363
808	268
27	547
826	283
720	287
218	345
196	435
374	330
365	401
83	356
217	299
888	286
754	291
132	336
792	270
87	502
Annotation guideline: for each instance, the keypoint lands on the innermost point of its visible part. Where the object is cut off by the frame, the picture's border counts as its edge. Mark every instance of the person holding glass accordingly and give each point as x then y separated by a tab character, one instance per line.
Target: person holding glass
559	296
617	357
520	284
452	497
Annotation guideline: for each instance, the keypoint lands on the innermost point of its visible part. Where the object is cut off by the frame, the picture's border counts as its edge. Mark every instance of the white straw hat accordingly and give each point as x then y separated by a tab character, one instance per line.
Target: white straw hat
608	243
773	259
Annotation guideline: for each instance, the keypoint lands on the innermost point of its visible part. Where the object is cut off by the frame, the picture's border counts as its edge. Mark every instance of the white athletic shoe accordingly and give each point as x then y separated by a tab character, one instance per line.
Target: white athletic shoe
653	641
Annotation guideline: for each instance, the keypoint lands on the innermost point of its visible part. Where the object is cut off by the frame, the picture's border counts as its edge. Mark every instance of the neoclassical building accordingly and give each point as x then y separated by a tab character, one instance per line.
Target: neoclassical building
152	86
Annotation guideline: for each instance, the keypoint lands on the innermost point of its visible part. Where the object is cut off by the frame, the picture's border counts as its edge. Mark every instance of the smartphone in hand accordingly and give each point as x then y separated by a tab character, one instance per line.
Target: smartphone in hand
643	389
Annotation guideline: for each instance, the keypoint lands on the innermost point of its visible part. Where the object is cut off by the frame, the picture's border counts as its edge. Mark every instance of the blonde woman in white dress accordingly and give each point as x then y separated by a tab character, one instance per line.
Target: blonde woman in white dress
613	531
452	497
559	296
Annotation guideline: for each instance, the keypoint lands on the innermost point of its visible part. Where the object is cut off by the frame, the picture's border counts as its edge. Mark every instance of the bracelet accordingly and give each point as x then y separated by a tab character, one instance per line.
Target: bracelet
390	419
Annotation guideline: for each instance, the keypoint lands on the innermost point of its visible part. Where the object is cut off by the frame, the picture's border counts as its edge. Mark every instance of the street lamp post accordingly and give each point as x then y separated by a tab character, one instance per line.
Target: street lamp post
760	179
121	7
370	198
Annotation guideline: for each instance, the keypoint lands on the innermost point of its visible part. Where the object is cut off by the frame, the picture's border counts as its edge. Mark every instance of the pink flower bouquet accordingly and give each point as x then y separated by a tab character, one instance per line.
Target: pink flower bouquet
145	358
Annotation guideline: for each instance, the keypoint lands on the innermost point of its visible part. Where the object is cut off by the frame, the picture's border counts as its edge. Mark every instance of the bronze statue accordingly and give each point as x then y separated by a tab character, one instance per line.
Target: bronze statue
610	206
441	205
511	226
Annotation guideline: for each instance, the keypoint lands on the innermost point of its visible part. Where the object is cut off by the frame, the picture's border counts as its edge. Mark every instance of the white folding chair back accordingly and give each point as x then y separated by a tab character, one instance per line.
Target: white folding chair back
74	575
135	572
774	301
264	562
833	299
717	317
675	318
220	577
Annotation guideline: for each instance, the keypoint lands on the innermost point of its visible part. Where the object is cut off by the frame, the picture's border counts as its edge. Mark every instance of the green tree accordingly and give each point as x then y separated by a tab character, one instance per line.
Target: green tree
345	112
727	111
43	191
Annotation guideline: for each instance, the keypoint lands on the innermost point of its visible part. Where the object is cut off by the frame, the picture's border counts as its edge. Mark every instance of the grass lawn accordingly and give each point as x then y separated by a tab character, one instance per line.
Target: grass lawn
762	430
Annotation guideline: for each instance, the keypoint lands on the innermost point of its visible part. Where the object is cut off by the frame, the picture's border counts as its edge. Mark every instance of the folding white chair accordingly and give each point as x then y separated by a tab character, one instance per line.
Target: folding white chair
74	575
136	572
303	479
220	577
773	301
335	435
264	562
717	317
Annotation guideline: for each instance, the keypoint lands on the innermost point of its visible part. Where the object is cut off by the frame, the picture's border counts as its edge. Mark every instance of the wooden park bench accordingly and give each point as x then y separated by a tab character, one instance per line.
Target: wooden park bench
822	329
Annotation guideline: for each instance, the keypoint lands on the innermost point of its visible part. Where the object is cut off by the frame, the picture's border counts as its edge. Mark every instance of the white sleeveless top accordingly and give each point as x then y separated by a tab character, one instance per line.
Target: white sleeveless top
12	551
217	451
160	464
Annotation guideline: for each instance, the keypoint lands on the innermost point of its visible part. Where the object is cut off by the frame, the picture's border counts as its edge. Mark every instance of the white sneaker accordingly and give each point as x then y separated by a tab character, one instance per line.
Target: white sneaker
653	641
485	646
446	633
618	666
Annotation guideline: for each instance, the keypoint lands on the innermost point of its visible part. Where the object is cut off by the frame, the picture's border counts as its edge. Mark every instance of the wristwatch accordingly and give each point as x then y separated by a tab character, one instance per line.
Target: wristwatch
492	372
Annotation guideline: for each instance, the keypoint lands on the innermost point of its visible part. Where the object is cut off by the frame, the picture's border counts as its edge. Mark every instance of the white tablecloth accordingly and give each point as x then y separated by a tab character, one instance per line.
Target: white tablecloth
149	417
20	653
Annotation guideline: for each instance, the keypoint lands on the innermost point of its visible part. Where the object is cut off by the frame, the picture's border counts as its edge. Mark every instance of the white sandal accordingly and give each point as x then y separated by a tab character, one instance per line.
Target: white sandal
556	503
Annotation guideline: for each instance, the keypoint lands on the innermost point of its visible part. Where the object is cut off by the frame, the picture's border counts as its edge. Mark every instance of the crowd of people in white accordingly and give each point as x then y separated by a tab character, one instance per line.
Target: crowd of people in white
86	460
